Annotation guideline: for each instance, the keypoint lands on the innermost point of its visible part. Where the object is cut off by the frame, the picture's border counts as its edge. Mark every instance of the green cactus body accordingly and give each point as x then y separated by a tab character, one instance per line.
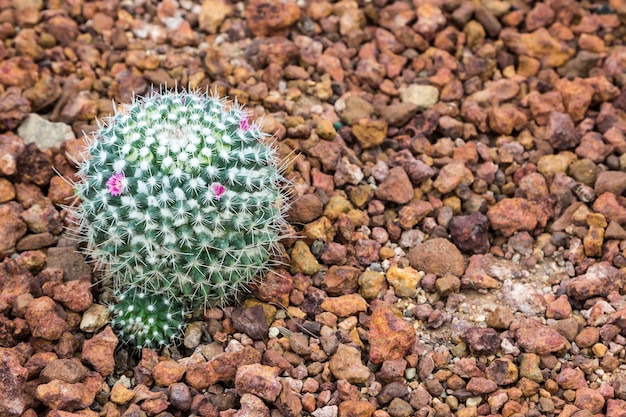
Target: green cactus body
147	320
182	197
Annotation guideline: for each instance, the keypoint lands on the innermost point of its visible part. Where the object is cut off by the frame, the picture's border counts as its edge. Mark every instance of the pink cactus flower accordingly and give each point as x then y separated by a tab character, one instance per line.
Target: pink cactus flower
243	123
115	184
218	190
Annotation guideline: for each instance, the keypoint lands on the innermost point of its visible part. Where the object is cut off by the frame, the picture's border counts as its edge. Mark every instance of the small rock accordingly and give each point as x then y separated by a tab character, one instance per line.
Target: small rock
250	321
589	399
601	279
60	395
390	337
559	309
223	367
403	280
265	17
398	114
67	370
35	241
75	295
13	108
72	263
19	71
355	408
212	15
560	131
370	133
13	377
437	256
99	351
340	280
302	260
451	175
502	371
96	317
346	364
512	215
534	337
126	85
347	173
12	228
179	396
44	133
470	233
259	380
615	408
167	372
482	341
43	217
423	96
447	284
345	305
43	320
396	187
610	181
607	204
252	406
480	386
529	367
120	394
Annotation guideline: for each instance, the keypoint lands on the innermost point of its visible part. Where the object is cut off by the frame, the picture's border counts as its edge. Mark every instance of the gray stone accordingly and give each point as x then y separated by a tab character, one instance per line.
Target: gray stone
44	133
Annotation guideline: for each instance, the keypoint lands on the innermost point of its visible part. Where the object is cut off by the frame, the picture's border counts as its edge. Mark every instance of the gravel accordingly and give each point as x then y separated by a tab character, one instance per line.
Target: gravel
457	201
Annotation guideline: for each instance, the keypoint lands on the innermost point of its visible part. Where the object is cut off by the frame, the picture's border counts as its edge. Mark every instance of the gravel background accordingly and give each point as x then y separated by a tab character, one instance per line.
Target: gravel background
459	205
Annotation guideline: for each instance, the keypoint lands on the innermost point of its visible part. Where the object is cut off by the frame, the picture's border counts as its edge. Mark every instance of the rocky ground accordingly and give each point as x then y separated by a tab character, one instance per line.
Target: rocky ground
458	201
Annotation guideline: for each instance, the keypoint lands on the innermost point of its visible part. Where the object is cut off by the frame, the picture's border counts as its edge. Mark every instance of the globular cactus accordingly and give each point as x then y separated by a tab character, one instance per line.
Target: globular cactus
147	320
182	196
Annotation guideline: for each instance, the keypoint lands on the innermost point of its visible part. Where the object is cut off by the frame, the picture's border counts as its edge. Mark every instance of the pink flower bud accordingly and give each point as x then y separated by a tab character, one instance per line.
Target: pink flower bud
116	184
243	123
218	190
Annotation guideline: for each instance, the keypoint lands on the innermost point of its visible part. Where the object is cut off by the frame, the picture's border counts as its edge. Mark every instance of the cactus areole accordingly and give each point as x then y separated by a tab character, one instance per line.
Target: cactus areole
181	196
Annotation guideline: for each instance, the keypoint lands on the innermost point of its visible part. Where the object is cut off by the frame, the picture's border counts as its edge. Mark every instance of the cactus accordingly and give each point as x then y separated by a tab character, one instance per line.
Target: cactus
147	320
181	196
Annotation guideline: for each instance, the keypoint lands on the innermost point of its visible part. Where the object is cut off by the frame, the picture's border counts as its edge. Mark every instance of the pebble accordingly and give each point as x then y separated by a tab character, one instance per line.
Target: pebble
422	96
98	352
437	256
534	337
66	370
396	187
96	317
221	368
12	228
252	406
353	109
167	373
13	377
346	364
451	176
302	260
61	395
482	341
250	321
513	215
120	394
369	133
344	305
471	233
403	280
599	280
390	337
43	319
